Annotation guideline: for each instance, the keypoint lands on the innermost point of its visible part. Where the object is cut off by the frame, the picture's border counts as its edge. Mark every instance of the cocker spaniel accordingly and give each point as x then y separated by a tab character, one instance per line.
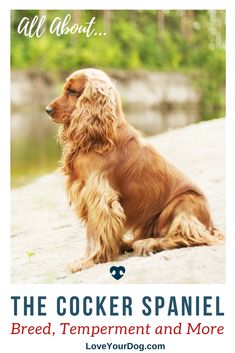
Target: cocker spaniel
117	183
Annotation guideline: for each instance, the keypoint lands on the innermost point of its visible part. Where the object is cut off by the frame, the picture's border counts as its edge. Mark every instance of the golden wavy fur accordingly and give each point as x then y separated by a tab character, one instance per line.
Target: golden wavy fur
117	183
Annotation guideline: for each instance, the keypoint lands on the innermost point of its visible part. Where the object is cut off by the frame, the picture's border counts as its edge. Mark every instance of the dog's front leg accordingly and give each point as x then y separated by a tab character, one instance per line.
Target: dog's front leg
105	224
89	239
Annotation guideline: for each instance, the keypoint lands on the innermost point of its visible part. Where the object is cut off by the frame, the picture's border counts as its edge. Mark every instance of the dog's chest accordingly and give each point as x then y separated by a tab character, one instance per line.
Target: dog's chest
84	167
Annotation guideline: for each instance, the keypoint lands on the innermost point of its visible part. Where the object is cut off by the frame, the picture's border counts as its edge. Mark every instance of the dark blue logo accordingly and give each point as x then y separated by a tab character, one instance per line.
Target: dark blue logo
117	271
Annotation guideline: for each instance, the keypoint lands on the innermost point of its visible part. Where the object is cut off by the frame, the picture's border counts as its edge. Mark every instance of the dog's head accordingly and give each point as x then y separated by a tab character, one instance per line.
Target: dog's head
90	110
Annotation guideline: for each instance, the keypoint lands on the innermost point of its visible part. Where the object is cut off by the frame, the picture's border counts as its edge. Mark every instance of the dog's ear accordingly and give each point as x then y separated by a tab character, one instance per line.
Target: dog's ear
94	121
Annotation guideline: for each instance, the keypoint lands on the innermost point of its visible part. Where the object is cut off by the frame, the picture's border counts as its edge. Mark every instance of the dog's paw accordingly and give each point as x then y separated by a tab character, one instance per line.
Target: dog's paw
218	235
77	265
143	247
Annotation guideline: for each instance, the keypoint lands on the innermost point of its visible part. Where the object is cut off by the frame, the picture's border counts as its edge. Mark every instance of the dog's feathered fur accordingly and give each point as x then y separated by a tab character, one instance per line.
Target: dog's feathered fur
118	183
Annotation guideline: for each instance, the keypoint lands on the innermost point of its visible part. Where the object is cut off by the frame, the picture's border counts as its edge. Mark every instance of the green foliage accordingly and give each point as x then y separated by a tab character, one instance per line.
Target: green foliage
30	253
186	41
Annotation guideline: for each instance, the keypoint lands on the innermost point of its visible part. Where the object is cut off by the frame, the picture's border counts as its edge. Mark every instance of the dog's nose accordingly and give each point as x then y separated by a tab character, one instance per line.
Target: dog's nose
49	110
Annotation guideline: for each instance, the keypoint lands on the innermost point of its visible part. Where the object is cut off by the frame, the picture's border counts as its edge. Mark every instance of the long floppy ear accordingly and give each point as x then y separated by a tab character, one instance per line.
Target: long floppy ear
94	121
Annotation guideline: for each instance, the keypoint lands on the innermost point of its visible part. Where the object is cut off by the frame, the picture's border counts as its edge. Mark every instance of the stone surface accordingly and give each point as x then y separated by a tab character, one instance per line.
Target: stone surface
46	235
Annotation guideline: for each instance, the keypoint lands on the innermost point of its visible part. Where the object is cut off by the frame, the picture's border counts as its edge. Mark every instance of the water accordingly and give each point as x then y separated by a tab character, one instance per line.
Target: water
35	150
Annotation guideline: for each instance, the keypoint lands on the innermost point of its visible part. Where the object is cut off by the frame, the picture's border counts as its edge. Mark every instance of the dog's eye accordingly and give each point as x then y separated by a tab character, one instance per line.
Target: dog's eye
71	92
